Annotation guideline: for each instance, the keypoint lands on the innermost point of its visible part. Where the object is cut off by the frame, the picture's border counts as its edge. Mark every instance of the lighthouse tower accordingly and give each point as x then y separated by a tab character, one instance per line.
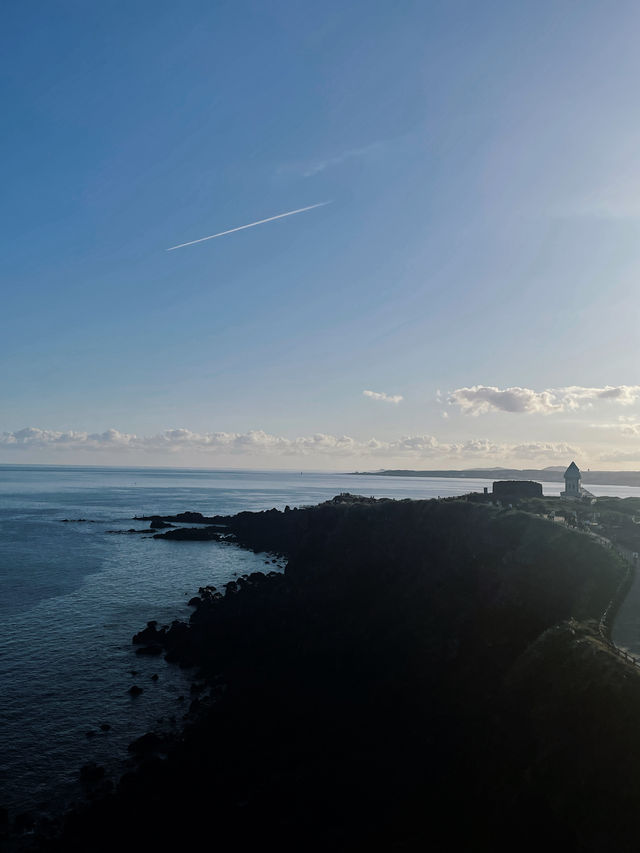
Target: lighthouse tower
572	487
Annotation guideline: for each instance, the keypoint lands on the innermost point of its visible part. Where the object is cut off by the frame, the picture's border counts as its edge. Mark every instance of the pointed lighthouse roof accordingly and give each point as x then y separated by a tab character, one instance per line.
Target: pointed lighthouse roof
572	469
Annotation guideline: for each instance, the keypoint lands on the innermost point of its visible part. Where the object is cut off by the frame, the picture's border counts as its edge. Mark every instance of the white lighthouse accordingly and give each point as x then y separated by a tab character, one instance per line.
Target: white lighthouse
572	486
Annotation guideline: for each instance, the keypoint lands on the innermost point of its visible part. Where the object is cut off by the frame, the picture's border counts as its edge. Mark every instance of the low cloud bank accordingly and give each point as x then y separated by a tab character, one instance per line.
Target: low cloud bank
480	399
257	442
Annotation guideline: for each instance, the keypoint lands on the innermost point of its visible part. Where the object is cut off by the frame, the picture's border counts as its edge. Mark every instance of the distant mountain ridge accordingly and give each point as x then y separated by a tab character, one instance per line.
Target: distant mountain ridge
553	474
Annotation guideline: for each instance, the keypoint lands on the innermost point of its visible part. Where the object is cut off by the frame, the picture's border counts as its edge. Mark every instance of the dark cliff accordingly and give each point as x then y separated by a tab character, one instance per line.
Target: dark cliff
424	674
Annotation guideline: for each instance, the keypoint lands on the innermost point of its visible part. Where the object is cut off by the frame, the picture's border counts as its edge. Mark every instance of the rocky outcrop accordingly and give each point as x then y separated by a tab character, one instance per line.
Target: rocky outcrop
195	534
159	524
183	518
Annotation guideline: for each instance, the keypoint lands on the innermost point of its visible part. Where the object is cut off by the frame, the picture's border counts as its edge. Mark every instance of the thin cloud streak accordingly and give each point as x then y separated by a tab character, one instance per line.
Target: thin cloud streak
250	225
321	165
386	398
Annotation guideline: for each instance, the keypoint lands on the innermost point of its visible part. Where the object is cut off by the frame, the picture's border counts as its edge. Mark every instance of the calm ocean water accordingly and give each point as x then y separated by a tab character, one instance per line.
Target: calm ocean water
73	594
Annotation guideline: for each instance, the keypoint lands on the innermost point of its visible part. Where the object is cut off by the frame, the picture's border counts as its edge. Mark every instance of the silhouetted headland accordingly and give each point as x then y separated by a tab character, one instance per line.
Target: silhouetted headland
548	475
424	675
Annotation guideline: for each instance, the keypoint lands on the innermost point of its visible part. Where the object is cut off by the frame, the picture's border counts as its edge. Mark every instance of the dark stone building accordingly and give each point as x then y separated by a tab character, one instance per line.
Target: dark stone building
506	489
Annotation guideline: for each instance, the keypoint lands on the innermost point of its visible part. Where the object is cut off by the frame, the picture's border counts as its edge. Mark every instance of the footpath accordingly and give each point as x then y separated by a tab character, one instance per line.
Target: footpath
606	620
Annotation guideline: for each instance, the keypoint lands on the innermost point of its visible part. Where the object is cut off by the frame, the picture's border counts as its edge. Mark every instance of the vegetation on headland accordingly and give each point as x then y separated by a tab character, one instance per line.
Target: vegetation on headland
617	519
425	673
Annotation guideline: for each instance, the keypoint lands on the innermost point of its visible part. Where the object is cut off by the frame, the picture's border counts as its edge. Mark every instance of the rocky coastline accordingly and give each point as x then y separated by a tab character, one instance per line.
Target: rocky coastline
421	671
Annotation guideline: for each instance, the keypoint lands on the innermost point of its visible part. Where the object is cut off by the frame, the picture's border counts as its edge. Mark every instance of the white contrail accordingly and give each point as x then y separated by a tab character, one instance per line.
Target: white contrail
250	225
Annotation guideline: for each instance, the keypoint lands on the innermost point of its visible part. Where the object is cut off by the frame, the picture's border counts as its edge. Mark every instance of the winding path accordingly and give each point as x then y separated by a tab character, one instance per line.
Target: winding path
624	608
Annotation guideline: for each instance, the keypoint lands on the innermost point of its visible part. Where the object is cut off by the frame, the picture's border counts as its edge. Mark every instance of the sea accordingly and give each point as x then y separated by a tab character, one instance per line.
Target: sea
75	587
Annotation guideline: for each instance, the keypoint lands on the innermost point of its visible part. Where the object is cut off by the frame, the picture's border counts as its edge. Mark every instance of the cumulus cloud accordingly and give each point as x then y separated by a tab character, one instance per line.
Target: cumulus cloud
386	398
258	442
480	399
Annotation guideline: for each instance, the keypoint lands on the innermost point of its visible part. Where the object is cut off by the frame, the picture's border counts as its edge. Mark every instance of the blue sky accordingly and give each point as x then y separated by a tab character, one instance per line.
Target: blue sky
479	258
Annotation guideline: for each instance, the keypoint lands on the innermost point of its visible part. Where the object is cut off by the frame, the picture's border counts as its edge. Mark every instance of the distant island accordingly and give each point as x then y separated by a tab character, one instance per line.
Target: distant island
547	475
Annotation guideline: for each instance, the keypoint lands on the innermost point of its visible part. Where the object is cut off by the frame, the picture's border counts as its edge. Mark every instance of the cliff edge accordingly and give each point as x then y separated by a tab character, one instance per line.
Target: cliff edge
424	674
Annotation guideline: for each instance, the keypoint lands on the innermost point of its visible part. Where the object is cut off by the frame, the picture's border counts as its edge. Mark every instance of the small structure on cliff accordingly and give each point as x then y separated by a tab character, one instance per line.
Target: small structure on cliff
505	489
573	484
572	478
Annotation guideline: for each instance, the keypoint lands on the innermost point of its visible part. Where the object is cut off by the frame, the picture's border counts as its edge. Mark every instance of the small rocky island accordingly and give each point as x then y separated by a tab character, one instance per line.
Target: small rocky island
423	675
